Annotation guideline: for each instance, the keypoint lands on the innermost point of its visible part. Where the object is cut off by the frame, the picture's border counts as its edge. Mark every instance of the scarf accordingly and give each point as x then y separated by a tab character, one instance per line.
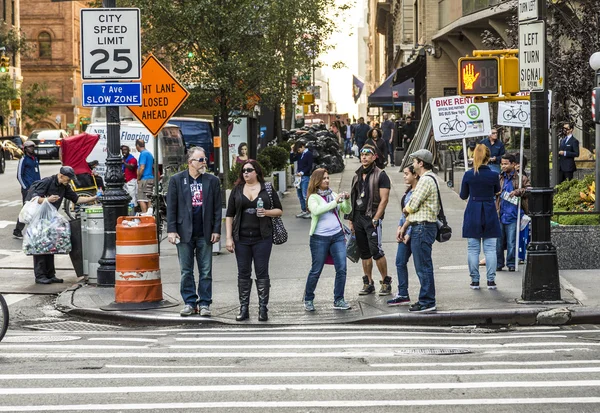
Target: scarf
325	194
368	169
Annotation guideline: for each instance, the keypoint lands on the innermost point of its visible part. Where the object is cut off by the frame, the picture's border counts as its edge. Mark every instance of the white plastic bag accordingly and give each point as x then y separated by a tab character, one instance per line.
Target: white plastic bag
29	210
47	233
355	149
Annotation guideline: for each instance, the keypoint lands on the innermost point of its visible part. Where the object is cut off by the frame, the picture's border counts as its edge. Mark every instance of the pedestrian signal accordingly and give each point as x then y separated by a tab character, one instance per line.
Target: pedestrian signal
479	76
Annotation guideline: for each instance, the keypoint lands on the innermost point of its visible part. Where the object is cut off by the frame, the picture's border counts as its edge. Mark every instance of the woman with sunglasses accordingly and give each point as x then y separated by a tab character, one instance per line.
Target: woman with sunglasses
250	234
326	237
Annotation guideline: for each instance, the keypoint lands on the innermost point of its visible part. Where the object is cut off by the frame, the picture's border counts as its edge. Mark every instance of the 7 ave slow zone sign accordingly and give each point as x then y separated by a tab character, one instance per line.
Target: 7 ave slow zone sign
162	95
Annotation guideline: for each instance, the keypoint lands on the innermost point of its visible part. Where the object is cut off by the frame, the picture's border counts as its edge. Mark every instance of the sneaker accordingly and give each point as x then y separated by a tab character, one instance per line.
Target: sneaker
341	304
492	285
307	215
301	214
511	269
499	268
368	288
187	310
309	306
475	285
399	300
386	286
419	308
17	234
205	311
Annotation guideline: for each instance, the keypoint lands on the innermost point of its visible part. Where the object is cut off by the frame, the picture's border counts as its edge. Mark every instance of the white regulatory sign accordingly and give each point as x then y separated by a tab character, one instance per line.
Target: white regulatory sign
528	10
110	44
532	44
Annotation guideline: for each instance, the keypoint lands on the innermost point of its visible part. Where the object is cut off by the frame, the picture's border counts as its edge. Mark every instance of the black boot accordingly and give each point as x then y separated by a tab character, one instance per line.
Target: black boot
263	286
244	288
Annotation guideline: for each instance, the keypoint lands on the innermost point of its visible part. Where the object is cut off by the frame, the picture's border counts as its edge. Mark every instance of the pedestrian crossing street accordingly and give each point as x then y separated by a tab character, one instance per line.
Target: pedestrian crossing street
302	369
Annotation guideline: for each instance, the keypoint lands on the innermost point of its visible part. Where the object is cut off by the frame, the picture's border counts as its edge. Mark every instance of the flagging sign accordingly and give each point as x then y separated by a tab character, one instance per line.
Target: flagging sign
162	95
458	117
110	44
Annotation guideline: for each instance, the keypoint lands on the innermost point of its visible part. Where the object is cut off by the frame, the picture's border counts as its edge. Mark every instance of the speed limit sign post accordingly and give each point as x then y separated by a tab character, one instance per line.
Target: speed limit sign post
110	44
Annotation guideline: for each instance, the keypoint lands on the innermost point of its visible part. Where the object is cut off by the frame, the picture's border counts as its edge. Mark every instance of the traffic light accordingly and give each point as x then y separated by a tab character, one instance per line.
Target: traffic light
4	64
488	76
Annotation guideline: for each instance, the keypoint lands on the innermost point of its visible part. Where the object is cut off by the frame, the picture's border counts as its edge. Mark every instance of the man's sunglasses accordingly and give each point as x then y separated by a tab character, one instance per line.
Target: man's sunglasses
201	159
248	170
367	151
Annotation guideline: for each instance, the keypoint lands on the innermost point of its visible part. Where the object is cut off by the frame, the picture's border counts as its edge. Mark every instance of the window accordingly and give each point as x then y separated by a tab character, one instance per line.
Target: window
45	45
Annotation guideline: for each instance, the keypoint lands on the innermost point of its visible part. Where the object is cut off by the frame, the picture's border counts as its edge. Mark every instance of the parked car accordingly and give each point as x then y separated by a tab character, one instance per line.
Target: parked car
197	132
47	142
11	150
2	160
18	140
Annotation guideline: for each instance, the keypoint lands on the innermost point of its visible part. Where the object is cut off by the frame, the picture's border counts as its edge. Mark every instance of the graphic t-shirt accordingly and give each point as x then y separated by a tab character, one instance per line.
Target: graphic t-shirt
197	200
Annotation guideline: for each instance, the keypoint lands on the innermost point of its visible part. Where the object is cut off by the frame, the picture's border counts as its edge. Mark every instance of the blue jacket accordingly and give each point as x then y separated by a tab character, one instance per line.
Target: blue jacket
28	171
496	150
305	162
481	217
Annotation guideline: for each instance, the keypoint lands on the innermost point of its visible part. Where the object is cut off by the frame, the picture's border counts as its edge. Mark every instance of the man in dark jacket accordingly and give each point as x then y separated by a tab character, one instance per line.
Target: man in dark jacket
361	132
304	157
28	172
193	225
568	150
54	188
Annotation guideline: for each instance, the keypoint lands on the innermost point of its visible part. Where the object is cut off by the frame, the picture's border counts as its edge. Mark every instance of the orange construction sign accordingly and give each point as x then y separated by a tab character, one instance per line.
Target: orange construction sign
162	95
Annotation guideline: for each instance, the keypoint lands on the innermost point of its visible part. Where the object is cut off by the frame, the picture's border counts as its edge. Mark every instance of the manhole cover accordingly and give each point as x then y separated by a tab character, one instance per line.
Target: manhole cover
433	351
38	339
73	326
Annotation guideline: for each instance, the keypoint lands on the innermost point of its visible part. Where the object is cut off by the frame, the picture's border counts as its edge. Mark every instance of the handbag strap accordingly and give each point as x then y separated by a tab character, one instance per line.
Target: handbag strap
270	192
441	215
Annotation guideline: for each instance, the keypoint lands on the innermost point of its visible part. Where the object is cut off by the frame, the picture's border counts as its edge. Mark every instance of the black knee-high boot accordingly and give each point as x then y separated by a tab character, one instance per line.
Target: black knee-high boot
263	286
244	289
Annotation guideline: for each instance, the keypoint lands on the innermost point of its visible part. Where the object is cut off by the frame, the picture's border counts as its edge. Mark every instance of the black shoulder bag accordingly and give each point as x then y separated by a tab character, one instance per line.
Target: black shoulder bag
444	232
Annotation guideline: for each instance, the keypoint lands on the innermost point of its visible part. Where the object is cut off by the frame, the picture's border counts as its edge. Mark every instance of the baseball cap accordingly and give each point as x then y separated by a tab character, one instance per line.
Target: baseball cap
424	155
68	171
28	143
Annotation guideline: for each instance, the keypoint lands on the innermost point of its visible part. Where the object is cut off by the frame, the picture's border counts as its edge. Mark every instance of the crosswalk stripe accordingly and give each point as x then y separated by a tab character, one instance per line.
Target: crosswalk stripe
304	404
312	374
487	363
345	337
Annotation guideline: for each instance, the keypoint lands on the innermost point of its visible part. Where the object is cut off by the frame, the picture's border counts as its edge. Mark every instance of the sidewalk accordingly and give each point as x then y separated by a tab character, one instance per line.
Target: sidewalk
457	304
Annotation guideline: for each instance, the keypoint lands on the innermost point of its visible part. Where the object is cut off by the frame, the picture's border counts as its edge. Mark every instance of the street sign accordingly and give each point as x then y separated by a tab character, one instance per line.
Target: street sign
529	10
15	104
112	94
458	117
532	45
110	44
516	113
162	95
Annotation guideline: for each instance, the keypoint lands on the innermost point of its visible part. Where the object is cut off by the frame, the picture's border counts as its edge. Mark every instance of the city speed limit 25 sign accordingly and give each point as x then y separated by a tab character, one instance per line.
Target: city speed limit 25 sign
110	44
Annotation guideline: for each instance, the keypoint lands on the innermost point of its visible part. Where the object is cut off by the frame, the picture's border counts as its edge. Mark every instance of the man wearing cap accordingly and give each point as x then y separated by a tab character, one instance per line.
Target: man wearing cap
28	172
370	194
54	188
130	173
422	211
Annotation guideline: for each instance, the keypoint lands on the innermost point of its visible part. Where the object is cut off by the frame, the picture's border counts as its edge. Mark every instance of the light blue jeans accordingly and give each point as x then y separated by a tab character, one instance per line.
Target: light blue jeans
489	251
302	192
202	251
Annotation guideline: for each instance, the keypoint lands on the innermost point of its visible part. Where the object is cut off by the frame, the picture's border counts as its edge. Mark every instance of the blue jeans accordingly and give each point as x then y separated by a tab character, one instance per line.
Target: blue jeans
402	256
390	152
509	234
303	191
202	250
489	250
320	248
347	146
421	241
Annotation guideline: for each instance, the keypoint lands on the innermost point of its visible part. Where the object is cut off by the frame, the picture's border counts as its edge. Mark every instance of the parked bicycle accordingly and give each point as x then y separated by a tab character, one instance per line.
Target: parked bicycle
511	114
453	124
3	317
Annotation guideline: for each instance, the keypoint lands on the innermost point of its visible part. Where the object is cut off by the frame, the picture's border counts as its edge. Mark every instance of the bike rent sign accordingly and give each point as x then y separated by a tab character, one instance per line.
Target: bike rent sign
515	113
459	117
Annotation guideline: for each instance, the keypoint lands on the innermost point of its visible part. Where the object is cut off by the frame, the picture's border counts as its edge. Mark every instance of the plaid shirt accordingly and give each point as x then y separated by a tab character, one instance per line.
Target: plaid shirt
424	203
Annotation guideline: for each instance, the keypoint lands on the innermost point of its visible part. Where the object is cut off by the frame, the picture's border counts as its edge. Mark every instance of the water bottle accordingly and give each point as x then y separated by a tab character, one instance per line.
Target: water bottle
260	205
131	208
99	193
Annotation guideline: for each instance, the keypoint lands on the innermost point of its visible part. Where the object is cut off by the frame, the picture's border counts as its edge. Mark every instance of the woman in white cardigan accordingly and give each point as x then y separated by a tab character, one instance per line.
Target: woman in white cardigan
327	241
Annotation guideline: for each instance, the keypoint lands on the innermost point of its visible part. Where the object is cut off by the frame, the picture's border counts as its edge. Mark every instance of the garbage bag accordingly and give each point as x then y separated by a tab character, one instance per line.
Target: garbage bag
47	233
29	210
352	249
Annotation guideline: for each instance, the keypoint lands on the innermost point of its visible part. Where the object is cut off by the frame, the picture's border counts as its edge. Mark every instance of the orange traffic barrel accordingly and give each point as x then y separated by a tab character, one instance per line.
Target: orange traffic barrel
137	275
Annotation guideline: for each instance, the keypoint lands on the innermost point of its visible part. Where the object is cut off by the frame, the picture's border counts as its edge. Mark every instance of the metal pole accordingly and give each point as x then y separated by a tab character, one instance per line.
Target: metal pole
465	154
597	145
115	200
541	279
522	147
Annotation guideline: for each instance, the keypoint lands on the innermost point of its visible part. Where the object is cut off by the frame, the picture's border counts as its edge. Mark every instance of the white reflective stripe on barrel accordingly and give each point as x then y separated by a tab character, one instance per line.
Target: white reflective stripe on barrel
137	276
137	249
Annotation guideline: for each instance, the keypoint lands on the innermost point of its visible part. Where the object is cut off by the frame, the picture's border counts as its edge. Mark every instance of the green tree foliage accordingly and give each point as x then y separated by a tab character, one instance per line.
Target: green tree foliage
36	103
7	93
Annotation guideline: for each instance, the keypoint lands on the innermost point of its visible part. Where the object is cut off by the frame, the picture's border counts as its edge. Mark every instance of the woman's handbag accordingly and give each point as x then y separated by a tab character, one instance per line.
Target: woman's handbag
280	235
444	232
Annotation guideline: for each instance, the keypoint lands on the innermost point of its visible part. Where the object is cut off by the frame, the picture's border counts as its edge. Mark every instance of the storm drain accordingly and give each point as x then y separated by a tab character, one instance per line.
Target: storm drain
38	339
432	351
73	326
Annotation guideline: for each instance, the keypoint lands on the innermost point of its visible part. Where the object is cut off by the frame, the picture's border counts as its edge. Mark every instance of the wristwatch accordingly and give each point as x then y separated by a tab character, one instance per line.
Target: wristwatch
375	222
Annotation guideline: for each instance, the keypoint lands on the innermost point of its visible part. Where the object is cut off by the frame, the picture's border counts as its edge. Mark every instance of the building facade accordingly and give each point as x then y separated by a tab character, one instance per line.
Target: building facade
52	28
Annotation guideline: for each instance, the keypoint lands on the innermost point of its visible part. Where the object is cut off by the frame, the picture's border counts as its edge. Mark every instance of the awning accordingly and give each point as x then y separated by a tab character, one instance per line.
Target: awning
388	95
409	71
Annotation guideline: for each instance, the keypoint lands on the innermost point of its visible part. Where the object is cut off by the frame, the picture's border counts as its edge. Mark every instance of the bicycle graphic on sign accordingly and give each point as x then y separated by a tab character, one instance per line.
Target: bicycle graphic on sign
512	114
453	125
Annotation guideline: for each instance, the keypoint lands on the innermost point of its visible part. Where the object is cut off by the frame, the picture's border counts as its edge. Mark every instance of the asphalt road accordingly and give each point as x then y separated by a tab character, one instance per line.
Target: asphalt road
89	367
